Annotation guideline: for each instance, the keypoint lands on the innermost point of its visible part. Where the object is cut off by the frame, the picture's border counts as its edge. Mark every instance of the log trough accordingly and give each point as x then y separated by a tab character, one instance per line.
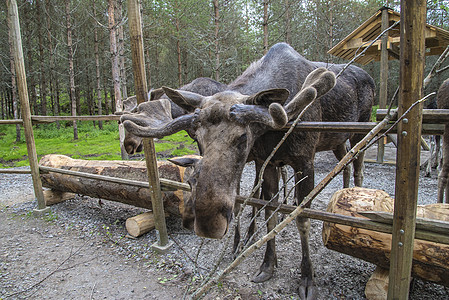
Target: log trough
64	186
430	259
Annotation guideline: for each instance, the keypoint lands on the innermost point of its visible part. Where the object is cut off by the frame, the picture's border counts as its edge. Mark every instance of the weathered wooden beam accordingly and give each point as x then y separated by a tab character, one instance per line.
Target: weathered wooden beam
24	102
429	116
140	85
412	56
358	127
383	87
15	171
50	119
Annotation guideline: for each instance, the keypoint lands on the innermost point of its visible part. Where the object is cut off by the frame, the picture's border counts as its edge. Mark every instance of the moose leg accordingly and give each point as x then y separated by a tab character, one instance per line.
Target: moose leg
252	226
270	187
444	173
307	288
339	153
359	166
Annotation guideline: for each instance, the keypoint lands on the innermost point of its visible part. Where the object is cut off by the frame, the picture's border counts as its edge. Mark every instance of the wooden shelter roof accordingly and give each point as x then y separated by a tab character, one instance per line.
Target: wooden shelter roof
437	39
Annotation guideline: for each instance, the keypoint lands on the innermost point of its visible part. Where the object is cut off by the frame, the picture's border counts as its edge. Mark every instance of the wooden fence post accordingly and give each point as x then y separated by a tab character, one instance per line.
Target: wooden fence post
25	104
383	89
412	57
140	84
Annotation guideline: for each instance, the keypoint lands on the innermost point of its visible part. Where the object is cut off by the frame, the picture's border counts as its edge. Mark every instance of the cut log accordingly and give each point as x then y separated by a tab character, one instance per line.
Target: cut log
430	260
140	224
377	286
53	196
132	170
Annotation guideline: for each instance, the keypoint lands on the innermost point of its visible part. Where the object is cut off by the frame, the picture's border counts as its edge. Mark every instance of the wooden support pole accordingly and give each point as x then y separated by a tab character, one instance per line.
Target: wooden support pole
412	56
383	89
140	84
24	102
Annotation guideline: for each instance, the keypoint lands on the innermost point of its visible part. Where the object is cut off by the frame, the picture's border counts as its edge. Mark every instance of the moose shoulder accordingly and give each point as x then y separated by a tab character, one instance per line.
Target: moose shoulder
236	126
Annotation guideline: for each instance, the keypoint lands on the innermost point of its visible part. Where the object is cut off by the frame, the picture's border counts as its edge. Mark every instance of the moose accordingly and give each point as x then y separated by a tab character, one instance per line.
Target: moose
202	85
242	124
443	103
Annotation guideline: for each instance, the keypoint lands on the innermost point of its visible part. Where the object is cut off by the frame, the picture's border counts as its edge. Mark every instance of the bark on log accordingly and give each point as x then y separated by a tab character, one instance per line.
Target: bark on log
430	260
133	170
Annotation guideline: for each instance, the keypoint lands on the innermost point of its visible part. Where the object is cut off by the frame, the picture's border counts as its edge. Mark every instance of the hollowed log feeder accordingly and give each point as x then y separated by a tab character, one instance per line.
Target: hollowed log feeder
133	170
430	260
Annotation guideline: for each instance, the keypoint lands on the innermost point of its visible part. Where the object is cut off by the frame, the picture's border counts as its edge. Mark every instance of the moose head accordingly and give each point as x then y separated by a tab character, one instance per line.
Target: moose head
225	125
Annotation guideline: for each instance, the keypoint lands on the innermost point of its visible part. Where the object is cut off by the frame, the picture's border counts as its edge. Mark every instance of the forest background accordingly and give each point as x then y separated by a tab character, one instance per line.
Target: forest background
78	61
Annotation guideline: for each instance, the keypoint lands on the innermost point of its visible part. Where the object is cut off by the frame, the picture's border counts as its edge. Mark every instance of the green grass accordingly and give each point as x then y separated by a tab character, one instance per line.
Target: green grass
92	143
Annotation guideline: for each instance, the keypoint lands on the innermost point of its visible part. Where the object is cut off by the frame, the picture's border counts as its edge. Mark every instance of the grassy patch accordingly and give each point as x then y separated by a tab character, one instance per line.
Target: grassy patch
92	143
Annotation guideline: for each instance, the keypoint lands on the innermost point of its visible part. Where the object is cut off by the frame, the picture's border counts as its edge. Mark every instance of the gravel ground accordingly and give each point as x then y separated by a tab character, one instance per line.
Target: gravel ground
80	250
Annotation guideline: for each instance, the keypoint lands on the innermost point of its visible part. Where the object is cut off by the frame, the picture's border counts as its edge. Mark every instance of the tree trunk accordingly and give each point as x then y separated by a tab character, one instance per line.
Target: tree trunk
13	82
121	47
97	66
178	44
124	193
71	70
54	100
43	83
116	73
287	23
29	67
265	26
217	52
430	260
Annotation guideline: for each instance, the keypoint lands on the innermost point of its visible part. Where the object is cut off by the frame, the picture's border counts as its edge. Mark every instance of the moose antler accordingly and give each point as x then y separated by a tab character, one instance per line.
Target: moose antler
317	83
153	119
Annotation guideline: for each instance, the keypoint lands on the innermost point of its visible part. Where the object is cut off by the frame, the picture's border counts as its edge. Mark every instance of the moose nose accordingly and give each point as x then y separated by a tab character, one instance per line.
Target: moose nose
213	225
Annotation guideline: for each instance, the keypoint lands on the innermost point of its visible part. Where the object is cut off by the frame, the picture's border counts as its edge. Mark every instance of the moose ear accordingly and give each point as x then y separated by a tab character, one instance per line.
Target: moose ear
265	98
185	161
129	105
156	94
187	100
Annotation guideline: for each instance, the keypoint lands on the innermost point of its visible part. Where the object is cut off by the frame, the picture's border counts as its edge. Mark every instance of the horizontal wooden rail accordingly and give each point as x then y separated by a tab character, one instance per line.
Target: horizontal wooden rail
429	116
51	119
423	231
15	171
359	127
166	184
352	127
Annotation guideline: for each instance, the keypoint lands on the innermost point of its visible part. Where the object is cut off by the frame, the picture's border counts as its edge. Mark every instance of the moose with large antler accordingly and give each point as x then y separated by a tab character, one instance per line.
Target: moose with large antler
242	124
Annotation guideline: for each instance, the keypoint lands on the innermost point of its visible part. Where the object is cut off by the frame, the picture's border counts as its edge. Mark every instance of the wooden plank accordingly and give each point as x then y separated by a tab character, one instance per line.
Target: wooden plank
413	22
140	85
430	116
426	224
15	171
359	127
383	88
24	102
436	235
11	122
165	183
50	119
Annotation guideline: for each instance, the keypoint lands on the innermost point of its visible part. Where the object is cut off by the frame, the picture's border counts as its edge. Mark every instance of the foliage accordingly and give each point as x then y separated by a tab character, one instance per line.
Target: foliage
179	40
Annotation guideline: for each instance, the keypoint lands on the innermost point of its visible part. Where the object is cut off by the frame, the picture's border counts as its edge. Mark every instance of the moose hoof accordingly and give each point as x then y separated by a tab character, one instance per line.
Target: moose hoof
262	276
307	289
